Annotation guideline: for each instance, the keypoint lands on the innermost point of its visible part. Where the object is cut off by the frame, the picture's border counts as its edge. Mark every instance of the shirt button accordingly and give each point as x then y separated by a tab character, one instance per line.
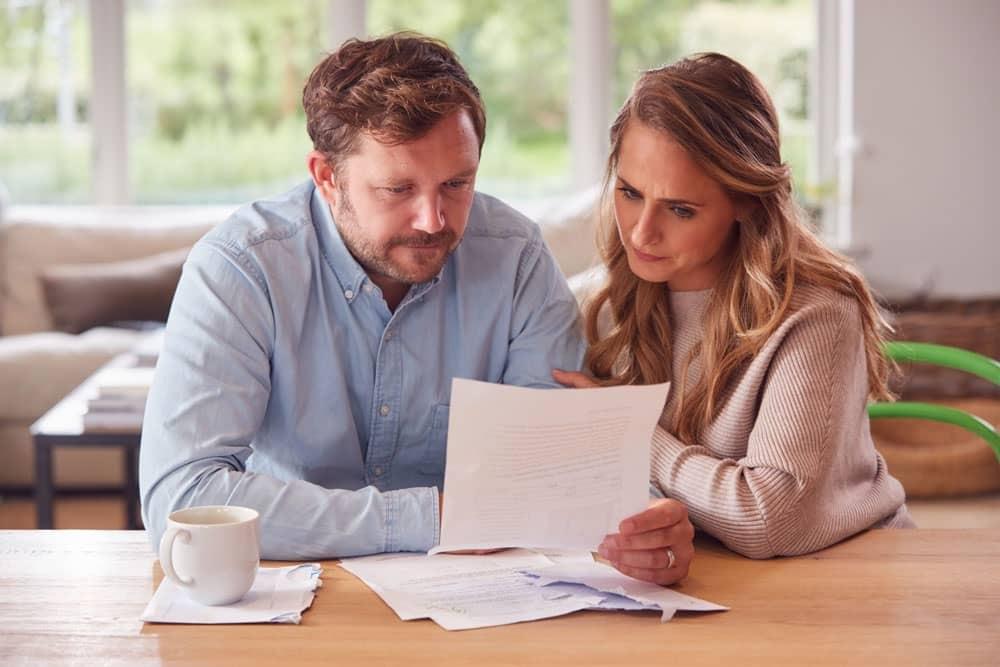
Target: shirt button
388	335
384	411
349	293
378	471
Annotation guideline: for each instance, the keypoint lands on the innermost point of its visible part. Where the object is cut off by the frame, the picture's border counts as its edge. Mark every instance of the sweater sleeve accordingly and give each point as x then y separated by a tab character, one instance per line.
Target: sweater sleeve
806	460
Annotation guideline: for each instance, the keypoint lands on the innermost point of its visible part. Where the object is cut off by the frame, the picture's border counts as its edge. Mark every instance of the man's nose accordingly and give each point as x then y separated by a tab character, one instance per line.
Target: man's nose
430	215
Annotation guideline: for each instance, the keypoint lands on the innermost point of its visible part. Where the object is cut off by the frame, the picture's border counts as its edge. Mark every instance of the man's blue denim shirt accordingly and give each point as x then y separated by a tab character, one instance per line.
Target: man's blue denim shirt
285	384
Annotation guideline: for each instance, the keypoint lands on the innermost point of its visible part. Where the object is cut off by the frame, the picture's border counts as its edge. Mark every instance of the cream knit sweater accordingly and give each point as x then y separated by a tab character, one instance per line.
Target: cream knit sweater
788	465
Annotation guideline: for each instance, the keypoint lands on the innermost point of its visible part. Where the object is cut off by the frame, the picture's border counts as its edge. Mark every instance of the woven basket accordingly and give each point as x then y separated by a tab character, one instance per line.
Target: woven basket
971	325
932	459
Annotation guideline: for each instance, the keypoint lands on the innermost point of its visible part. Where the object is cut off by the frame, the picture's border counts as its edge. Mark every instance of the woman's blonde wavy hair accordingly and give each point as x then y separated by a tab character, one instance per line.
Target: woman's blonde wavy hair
721	114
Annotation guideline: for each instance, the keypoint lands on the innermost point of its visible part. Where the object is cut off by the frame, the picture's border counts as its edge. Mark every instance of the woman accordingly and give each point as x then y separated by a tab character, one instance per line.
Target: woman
771	341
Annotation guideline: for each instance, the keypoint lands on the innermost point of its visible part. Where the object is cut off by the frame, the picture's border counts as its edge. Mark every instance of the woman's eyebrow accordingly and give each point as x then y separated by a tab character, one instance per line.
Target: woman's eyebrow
665	200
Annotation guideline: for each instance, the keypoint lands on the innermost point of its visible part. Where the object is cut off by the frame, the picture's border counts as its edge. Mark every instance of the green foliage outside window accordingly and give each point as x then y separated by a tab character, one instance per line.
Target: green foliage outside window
214	87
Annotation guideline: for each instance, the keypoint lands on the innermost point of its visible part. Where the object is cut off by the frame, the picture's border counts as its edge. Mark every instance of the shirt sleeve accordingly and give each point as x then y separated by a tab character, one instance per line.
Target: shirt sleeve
208	399
806	480
546	331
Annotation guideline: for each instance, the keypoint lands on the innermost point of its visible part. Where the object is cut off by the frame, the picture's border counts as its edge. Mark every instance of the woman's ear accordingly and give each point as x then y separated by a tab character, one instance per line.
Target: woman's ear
745	208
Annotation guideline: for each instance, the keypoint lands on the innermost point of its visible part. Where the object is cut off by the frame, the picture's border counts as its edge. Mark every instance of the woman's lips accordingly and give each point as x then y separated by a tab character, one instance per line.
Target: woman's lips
646	257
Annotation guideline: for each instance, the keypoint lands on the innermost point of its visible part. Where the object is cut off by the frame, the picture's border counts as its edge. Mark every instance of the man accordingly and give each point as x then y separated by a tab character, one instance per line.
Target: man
307	365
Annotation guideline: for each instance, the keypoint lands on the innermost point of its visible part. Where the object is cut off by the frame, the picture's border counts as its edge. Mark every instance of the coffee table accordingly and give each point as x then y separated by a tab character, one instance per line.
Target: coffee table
63	426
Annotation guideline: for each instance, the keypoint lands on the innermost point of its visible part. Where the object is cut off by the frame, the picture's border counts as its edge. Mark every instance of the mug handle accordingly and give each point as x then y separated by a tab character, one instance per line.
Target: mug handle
166	553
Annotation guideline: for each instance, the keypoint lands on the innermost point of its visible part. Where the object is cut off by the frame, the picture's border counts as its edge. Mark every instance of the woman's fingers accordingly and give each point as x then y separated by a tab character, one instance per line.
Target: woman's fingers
652	559
654	545
660	538
663	577
572	379
660	514
655	565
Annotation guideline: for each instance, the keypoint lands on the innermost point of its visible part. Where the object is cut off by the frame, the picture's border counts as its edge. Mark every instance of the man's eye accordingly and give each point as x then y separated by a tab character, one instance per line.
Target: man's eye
457	184
397	189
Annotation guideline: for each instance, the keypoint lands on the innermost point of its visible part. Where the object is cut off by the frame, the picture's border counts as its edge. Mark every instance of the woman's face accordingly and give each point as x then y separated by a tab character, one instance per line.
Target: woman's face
674	220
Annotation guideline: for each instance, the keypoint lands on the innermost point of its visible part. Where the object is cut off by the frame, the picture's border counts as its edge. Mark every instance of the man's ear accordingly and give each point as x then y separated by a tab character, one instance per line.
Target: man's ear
323	175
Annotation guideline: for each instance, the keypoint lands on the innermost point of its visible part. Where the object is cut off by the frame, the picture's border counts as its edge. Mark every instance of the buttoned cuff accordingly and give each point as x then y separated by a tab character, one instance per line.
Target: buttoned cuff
412	519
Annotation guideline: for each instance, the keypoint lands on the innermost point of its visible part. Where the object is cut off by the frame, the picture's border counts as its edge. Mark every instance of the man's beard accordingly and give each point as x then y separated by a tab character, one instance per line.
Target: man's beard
375	257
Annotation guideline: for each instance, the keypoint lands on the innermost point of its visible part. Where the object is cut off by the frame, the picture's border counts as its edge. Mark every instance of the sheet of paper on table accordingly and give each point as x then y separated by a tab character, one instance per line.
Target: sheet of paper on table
594	576
541	468
461	592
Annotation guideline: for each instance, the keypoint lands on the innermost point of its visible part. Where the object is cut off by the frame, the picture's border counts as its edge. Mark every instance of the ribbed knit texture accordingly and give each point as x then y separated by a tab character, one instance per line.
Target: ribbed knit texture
788	465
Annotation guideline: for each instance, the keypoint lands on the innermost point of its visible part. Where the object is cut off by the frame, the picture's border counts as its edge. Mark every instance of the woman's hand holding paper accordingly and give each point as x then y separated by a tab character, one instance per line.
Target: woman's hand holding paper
654	545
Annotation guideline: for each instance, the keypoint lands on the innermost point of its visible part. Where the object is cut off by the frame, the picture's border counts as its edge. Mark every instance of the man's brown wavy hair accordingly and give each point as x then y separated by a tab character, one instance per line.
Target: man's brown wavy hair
722	115
393	88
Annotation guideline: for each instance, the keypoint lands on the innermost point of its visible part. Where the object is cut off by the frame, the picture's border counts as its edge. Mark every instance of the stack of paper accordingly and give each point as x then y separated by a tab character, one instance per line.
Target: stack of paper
120	399
540	469
465	592
620	591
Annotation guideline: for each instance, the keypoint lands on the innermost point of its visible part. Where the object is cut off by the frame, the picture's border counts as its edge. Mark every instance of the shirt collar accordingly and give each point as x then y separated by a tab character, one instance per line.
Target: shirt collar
350	274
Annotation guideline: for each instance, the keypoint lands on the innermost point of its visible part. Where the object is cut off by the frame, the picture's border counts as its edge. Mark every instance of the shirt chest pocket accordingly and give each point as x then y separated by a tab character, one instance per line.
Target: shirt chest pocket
433	460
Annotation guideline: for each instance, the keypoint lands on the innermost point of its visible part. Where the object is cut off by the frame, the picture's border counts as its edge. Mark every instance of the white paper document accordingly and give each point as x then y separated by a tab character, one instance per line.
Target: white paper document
464	592
545	468
461	592
604	578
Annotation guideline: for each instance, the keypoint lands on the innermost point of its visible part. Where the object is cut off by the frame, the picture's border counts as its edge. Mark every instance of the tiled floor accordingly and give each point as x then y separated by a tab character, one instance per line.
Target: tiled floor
107	512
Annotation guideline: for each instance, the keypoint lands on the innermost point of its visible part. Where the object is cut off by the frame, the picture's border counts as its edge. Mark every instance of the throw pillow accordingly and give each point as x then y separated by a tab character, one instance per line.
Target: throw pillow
83	296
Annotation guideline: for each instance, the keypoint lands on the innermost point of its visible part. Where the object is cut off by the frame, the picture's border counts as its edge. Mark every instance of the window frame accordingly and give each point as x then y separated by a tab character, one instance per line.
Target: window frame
591	73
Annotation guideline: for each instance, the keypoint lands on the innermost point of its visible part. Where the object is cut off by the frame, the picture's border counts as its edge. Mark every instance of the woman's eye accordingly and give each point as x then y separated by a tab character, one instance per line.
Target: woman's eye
682	212
629	193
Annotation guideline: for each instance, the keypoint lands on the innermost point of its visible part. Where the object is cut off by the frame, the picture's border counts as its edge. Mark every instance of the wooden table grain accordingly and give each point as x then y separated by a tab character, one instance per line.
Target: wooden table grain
917	597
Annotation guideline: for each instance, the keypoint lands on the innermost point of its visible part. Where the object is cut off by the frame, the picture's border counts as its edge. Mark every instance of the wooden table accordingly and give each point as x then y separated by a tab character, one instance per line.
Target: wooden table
922	597
62	426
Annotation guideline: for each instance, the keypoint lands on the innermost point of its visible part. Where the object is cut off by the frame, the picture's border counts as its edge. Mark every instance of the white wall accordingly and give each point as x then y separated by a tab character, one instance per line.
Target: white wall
927	115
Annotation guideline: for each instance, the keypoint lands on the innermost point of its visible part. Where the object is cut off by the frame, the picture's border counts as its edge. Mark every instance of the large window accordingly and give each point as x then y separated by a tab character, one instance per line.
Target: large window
517	53
212	88
214	96
45	138
773	38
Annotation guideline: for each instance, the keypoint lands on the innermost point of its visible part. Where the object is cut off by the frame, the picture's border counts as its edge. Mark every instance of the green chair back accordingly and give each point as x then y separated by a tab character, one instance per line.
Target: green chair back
950	357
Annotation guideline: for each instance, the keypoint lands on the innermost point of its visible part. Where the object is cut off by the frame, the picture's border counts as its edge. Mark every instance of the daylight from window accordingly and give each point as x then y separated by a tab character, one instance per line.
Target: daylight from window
213	88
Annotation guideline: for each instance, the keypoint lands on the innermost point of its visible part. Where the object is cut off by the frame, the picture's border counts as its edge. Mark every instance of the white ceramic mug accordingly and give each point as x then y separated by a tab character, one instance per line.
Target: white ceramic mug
212	552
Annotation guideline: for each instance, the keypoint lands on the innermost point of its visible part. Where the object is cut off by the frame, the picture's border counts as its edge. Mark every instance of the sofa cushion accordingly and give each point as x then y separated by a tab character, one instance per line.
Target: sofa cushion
570	230
28	248
586	284
82	296
39	369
